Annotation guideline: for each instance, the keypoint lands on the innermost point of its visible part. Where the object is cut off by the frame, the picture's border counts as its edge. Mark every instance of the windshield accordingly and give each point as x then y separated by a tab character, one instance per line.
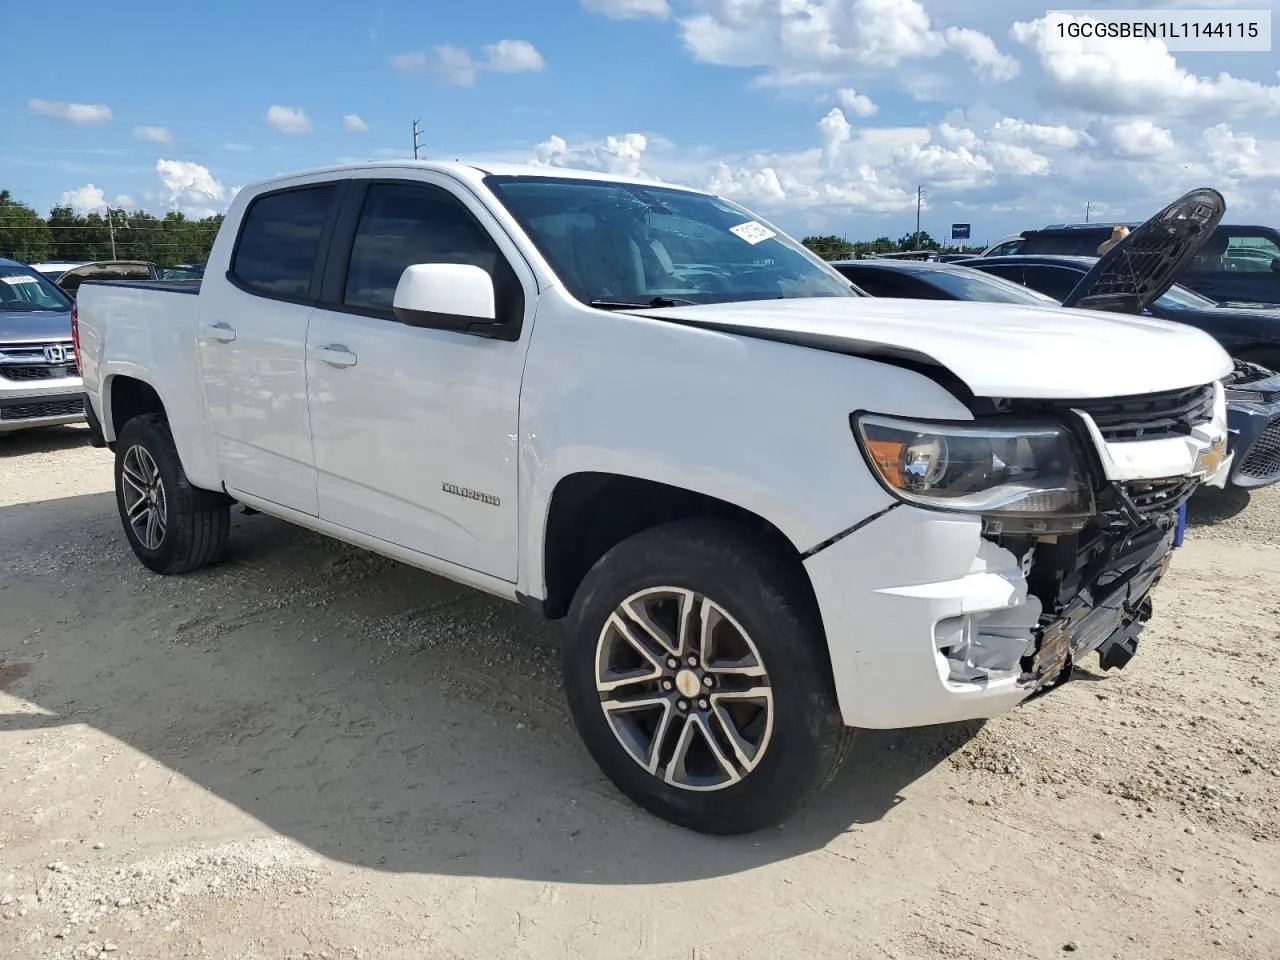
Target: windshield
972	285
619	243
1180	298
22	289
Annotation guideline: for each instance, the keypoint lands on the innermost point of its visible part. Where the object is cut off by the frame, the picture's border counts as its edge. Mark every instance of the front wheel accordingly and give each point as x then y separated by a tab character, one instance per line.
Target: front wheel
172	526
696	674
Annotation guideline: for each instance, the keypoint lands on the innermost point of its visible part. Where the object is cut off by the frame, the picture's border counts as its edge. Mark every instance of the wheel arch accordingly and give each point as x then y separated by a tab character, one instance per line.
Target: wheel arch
589	512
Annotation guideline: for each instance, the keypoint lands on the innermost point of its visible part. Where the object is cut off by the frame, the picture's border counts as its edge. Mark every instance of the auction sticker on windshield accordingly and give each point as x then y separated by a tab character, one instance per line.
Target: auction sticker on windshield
752	232
14	281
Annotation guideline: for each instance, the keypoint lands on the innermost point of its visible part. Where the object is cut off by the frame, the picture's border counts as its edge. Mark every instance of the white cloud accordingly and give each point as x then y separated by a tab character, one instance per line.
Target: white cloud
1139	78
621	156
856	103
1009	130
457	67
153	134
84	199
190	188
237	147
1241	156
414	62
1139	139
352	123
807	41
628	9
288	119
125	202
77	113
513	56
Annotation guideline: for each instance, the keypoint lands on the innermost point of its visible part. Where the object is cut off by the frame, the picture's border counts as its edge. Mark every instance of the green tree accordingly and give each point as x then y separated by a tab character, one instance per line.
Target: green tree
918	241
830	247
23	233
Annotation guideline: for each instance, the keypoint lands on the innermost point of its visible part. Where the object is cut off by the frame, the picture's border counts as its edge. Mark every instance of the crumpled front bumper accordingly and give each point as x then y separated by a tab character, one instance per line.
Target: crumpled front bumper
928	621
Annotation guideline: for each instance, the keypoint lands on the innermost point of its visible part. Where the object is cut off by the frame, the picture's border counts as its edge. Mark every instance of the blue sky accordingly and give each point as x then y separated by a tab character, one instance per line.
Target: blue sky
823	114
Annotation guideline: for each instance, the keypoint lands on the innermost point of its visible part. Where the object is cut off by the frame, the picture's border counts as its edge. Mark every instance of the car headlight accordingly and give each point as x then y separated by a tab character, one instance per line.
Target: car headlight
1026	477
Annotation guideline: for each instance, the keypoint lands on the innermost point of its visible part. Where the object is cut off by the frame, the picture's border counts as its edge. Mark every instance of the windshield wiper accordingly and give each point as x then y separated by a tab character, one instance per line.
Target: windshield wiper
637	305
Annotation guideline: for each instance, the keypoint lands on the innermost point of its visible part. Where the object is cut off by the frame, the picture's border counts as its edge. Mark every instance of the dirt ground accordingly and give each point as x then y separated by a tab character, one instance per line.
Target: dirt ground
313	752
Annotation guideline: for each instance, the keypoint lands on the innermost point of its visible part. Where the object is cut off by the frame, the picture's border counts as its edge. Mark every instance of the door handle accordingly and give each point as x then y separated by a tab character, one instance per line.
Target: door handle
223	333
336	355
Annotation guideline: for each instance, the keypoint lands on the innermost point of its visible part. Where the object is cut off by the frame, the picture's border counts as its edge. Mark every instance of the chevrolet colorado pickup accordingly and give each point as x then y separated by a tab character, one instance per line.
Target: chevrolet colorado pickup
770	509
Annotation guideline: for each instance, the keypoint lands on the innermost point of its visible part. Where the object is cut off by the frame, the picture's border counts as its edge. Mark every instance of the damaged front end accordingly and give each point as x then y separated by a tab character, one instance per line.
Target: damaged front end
1092	586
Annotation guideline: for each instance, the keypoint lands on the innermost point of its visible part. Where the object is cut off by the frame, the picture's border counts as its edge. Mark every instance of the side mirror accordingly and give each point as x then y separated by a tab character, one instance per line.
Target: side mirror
1275	264
433	294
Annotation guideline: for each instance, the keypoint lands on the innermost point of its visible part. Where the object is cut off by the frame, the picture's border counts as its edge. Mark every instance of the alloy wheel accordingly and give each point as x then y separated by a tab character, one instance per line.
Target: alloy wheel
684	689
146	506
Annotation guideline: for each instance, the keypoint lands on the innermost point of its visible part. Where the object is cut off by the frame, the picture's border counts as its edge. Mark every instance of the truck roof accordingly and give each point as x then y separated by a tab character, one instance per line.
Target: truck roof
474	173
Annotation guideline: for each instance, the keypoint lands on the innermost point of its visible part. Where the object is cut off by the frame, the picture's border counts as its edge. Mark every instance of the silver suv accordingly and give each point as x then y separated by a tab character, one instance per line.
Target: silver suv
39	381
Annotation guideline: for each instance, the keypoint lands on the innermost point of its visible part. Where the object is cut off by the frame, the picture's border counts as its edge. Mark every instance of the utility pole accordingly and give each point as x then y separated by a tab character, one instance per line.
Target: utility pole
919	203
111	229
416	134
1086	211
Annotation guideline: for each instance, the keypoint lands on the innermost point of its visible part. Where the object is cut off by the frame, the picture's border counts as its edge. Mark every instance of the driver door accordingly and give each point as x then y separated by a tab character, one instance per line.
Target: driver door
416	430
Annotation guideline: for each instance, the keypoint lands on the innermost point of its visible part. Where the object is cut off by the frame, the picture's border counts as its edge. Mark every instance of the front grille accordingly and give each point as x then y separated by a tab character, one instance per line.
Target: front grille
1153	416
24	362
1152	498
35	411
1262	462
26	373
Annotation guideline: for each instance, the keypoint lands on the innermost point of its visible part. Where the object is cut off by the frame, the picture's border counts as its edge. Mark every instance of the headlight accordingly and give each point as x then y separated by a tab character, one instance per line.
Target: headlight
1026	475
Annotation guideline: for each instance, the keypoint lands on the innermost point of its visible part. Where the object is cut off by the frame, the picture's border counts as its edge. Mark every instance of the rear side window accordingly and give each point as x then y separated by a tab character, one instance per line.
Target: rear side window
1053	281
280	239
1072	243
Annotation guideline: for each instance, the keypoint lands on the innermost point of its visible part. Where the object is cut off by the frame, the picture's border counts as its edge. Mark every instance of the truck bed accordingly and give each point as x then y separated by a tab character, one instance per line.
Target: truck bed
169	286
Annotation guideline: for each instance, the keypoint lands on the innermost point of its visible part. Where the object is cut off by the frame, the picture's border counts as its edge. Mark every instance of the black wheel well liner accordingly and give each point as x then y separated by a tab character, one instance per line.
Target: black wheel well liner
131	397
592	512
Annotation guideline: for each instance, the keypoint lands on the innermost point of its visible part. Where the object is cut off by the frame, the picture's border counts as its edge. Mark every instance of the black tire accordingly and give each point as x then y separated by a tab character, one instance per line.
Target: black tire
197	522
764	594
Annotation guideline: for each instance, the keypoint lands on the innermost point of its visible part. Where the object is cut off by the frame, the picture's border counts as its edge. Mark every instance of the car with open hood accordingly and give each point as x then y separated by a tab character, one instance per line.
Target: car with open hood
768	509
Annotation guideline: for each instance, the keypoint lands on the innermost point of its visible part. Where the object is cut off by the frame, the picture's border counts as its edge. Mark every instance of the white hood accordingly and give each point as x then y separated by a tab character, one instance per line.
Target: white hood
997	349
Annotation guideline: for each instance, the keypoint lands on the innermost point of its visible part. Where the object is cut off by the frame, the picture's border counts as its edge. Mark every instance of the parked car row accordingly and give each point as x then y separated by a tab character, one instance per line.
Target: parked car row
39	382
1239	264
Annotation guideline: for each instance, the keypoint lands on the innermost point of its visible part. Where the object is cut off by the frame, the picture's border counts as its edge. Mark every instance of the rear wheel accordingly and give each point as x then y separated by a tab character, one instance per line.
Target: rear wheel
172	526
696	674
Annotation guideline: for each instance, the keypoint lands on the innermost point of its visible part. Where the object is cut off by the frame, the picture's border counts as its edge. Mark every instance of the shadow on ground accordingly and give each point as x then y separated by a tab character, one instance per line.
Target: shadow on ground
376	714
1211	505
42	440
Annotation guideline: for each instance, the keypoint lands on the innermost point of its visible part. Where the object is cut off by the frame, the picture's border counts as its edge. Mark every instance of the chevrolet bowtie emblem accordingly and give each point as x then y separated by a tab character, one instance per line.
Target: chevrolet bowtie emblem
1209	460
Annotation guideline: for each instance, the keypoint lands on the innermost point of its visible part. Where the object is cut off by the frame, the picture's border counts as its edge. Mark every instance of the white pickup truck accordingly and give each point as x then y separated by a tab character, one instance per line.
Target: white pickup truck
771	509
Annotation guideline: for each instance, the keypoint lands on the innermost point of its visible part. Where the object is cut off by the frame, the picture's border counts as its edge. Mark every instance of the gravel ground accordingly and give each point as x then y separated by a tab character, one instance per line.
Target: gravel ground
313	752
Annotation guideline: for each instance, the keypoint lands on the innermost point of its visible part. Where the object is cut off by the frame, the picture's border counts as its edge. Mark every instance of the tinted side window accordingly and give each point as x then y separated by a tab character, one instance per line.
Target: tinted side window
886	284
1052	281
276	252
1011	272
1075	243
1249	252
404	224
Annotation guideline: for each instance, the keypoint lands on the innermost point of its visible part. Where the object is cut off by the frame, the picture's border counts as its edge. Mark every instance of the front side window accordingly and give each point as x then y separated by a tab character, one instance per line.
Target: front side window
628	244
402	224
280	240
22	290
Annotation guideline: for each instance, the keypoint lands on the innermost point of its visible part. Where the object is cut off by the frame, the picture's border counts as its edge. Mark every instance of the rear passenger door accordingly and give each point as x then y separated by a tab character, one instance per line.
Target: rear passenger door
252	344
416	429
